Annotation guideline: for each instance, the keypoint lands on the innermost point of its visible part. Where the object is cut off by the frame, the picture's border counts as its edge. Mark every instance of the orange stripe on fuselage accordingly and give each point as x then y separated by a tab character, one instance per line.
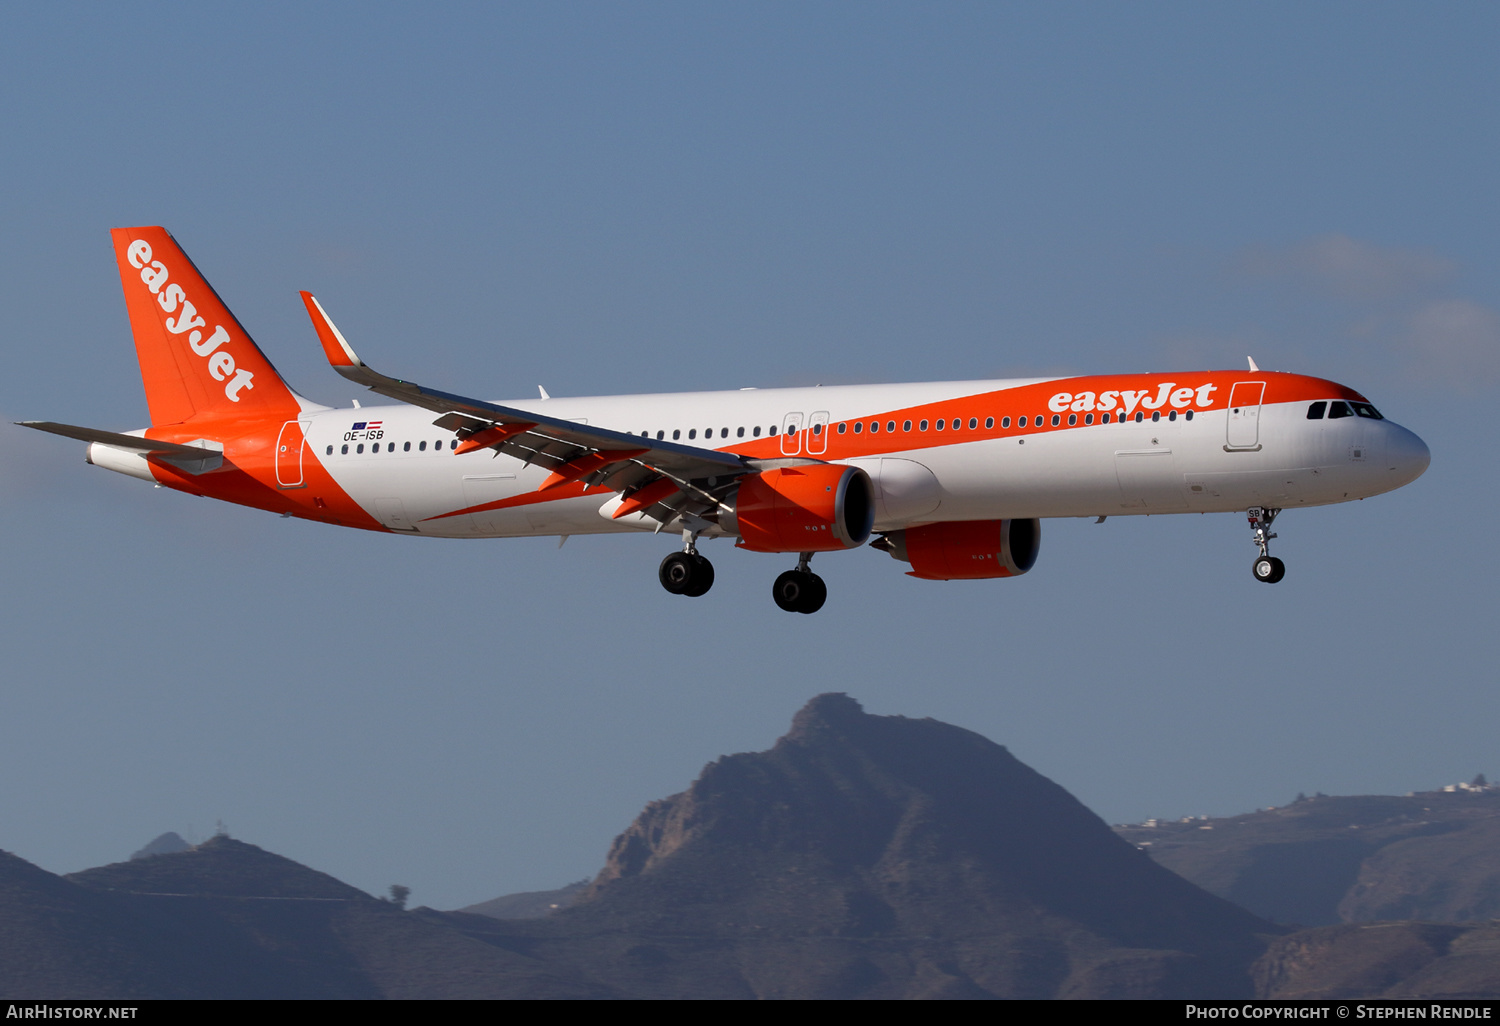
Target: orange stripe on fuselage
1033	401
565	491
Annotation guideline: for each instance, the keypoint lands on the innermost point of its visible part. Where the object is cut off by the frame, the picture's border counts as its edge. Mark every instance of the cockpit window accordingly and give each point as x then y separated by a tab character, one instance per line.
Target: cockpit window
1317	409
1366	410
1338	409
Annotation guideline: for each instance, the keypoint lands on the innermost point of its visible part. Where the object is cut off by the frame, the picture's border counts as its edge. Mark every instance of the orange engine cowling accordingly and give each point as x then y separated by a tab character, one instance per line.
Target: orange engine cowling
819	507
967	550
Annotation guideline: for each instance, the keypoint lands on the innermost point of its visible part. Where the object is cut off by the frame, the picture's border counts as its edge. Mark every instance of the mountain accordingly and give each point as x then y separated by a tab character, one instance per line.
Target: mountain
528	904
860	856
220	868
229	920
165	844
879	856
1432	855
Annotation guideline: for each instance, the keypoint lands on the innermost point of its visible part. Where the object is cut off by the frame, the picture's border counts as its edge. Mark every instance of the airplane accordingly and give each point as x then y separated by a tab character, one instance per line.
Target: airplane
951	477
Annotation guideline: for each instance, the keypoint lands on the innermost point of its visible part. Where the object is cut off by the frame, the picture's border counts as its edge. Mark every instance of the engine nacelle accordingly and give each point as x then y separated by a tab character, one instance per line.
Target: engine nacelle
967	550
818	507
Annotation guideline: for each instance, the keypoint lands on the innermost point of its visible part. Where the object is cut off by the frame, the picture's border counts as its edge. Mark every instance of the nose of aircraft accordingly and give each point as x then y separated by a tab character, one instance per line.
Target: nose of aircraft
1406	455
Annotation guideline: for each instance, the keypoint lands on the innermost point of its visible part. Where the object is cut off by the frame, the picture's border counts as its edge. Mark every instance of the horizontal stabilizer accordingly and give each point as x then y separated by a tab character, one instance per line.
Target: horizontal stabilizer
149	446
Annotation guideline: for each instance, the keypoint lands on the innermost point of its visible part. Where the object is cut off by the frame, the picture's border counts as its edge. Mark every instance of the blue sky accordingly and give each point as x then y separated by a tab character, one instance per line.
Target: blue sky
657	197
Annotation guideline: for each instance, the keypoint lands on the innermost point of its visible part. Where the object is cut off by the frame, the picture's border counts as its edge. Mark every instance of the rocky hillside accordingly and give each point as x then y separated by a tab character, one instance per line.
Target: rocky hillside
861	856
1384	960
888	857
229	920
1433	855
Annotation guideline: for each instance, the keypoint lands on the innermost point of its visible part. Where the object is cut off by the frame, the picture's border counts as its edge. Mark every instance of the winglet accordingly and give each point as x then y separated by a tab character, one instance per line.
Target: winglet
340	354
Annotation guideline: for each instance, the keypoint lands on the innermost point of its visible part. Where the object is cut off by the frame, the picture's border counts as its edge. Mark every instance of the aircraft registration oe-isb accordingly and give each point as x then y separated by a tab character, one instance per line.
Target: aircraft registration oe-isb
953	478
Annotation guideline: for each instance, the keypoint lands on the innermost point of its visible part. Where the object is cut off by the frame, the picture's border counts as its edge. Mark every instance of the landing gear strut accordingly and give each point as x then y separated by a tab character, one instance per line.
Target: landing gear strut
800	590
1266	567
686	572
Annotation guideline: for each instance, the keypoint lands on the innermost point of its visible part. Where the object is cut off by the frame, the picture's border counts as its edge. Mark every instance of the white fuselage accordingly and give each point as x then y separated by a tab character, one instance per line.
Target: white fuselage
406	476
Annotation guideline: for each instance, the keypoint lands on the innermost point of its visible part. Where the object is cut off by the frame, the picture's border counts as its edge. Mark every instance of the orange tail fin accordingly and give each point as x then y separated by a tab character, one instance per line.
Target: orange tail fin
196	359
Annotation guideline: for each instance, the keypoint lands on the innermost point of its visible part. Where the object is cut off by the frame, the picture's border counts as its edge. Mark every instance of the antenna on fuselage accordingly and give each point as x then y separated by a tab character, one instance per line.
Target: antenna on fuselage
542	390
1253	369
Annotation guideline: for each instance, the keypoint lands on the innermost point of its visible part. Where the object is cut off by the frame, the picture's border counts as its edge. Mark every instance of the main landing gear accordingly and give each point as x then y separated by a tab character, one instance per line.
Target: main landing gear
800	590
686	572
1266	566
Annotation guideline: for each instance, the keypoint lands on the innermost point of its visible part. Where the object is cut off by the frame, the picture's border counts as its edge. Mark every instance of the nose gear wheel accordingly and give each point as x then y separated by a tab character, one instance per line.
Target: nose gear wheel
1266	567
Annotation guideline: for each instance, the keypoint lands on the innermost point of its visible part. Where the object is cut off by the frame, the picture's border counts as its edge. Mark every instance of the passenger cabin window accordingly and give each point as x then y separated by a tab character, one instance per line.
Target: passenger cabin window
1317	409
330	450
1338	409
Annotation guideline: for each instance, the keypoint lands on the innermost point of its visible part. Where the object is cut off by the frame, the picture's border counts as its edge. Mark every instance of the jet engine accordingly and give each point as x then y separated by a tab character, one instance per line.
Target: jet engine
818	507
966	550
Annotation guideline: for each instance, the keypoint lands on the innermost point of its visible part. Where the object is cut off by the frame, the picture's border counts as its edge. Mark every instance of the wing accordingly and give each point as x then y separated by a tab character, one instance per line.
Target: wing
658	478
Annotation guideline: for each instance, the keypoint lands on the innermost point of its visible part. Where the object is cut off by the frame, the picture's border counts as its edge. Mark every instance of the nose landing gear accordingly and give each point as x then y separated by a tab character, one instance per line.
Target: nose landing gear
800	590
686	572
1266	567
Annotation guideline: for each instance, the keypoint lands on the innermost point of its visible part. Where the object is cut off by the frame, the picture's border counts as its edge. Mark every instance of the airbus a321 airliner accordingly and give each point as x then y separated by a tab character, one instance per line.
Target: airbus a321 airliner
952	478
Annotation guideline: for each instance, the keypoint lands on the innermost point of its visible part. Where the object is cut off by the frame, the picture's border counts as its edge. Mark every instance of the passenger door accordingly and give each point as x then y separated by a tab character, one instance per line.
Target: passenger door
1243	432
